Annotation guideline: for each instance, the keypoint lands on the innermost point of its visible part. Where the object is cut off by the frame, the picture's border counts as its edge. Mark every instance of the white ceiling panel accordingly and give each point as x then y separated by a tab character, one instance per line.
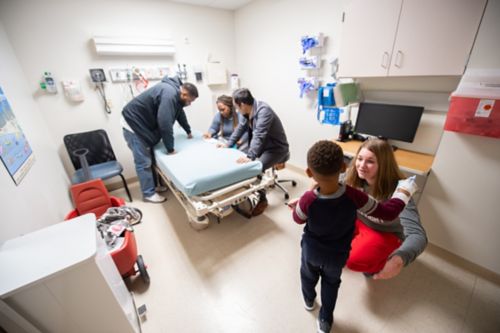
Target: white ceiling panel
223	4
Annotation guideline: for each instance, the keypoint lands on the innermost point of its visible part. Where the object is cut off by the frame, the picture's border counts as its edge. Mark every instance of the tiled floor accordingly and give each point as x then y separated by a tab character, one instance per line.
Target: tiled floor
243	276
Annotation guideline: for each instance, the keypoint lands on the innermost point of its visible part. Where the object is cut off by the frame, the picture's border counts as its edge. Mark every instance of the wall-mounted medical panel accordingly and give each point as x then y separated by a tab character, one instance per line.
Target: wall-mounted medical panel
133	46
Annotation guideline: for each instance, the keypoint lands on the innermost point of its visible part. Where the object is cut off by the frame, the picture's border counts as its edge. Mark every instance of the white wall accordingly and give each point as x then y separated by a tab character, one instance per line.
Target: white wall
42	198
55	36
458	206
268	50
460	203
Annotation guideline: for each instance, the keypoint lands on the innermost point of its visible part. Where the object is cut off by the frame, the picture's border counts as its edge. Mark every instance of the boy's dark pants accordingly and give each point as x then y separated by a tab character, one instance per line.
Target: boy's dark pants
311	269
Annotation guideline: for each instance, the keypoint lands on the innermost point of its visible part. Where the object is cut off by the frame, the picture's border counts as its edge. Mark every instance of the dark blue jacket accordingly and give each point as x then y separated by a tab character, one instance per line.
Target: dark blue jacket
152	114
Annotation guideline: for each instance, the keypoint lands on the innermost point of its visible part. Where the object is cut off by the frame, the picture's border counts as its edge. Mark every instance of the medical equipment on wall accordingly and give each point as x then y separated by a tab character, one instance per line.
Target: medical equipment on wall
328	112
311	62
306	85
48	83
335	67
98	77
73	90
309	42
140	80
182	72
234	81
347	93
216	73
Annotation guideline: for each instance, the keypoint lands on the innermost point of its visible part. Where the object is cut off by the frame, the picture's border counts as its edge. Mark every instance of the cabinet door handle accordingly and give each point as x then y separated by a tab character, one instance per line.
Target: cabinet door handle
385	60
399	59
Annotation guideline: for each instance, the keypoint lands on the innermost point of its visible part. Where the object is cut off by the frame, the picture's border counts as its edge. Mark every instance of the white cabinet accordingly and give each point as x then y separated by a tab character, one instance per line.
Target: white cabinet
62	279
408	37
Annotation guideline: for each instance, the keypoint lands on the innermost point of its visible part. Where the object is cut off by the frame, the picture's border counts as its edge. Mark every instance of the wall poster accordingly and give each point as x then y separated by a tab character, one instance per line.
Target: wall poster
15	151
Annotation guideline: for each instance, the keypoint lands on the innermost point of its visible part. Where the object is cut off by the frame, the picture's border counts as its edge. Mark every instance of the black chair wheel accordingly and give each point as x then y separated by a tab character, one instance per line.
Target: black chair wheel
294	183
142	270
287	196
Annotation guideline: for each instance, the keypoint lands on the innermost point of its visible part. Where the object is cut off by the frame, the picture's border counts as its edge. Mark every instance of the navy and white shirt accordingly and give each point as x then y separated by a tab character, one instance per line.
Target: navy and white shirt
330	219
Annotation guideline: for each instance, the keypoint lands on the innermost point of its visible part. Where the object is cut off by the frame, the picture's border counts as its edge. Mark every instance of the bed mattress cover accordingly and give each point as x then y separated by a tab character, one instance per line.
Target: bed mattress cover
198	166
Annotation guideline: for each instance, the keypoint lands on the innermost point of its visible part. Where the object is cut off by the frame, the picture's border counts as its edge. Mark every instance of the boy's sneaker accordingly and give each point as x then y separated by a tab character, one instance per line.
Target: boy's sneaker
155	198
309	305
323	326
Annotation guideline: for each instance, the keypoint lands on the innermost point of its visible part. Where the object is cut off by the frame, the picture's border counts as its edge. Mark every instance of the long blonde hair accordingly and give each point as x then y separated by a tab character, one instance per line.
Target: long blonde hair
388	173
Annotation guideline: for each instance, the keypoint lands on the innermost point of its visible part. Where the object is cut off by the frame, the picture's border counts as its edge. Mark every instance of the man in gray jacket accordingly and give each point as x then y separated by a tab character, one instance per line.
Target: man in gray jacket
266	136
149	118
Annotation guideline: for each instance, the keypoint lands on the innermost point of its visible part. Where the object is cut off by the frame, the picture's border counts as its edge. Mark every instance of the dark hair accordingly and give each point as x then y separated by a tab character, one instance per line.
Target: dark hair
191	89
243	95
227	101
325	158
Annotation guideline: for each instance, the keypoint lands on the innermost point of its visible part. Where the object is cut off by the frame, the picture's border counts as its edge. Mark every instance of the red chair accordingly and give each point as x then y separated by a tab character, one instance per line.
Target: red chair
93	197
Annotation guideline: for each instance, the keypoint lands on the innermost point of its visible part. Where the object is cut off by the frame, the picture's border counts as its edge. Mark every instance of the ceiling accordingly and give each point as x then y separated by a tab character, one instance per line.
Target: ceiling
223	4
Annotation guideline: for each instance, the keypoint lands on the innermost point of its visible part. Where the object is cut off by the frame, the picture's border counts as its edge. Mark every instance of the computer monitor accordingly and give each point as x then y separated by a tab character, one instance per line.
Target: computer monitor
388	121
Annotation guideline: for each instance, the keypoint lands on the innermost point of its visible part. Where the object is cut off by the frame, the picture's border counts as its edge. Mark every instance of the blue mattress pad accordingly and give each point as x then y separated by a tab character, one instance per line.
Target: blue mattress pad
198	166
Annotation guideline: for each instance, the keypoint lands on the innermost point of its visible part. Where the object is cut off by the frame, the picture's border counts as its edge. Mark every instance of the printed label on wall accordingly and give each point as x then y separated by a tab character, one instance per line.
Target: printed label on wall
474	116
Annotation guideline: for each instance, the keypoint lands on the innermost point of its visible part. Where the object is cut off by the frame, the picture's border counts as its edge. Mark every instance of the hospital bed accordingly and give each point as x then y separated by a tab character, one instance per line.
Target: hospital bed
207	180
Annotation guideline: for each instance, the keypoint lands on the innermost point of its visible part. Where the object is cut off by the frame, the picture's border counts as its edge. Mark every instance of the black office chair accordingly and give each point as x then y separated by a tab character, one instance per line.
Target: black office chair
278	182
93	157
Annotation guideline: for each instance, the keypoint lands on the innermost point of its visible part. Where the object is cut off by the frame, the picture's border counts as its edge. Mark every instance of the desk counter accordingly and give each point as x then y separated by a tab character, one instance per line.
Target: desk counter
409	161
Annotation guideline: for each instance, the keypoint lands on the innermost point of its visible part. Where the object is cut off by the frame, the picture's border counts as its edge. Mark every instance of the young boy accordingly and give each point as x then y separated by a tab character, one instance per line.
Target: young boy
329	214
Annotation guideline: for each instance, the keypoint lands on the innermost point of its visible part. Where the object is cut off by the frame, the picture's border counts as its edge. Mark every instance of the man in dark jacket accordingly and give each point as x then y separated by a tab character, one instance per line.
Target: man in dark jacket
149	118
266	135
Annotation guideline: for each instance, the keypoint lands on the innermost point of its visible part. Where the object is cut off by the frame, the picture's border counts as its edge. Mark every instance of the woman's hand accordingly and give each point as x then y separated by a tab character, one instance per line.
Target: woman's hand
391	269
243	159
221	145
207	135
293	203
190	136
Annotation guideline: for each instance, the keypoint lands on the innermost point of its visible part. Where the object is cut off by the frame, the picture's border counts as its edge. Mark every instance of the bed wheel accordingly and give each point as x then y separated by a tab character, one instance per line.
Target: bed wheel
199	223
143	270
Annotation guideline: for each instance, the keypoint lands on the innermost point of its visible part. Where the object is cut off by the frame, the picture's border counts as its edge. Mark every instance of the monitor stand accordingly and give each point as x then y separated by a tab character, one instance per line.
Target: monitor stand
358	137
394	148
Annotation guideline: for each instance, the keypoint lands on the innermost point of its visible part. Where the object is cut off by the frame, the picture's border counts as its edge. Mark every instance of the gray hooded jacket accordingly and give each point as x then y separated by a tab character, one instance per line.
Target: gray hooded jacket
152	114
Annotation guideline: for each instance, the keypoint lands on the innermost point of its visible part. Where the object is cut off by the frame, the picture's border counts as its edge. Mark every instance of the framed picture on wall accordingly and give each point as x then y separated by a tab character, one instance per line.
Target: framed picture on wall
15	151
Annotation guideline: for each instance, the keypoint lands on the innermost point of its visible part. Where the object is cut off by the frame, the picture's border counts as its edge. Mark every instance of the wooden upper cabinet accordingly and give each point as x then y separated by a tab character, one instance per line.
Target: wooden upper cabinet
408	37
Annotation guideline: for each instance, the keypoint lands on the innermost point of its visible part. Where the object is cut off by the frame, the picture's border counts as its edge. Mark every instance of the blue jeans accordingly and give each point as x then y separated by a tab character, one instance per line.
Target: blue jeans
142	161
311	270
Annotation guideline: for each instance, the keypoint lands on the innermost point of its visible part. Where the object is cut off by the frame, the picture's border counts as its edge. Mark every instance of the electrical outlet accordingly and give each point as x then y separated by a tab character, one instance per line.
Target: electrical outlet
119	74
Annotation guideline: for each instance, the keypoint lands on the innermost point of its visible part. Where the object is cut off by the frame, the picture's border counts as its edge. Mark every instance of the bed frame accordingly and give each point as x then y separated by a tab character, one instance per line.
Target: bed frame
220	202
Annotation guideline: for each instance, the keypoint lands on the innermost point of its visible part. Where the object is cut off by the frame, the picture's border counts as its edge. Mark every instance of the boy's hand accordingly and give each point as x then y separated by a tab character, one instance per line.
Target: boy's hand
405	189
